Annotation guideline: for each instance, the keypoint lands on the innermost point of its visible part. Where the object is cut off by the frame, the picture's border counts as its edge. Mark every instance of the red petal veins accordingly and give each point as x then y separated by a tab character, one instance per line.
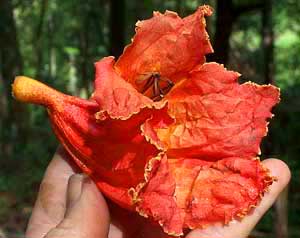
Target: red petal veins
159	119
114	95
215	117
197	193
166	44
113	152
160	190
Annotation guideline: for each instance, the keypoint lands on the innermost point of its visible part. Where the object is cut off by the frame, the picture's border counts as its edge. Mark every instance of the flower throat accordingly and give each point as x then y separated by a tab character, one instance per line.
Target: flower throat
155	86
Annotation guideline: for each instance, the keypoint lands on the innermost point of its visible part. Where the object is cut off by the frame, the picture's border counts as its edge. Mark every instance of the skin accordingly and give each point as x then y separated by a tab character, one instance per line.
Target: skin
70	205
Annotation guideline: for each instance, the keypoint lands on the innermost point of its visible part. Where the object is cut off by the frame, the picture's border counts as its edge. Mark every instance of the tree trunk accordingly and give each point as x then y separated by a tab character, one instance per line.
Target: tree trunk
268	42
84	54
38	39
117	27
13	120
227	13
51	49
224	24
87	16
281	205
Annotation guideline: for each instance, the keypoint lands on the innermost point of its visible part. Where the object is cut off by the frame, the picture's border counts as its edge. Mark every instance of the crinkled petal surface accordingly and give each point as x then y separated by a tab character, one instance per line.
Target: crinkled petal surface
210	173
166	44
215	117
104	134
196	193
112	151
114	95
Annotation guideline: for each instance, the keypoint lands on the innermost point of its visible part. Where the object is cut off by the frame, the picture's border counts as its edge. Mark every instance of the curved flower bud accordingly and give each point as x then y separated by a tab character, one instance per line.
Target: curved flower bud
113	152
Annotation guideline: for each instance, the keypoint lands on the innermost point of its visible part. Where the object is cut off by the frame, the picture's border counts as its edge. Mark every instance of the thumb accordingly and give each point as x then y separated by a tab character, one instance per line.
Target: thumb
86	212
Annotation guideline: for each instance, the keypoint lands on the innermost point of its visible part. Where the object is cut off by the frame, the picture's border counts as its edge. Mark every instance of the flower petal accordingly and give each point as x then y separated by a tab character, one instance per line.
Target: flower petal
114	95
215	117
159	119
197	193
166	44
113	152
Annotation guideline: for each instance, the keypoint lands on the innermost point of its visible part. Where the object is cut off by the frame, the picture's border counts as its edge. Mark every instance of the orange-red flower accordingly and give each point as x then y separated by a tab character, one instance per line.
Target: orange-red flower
165	133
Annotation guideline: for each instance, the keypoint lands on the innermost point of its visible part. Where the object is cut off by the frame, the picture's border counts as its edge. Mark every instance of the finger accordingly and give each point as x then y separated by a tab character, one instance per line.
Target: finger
74	189
242	229
50	205
87	215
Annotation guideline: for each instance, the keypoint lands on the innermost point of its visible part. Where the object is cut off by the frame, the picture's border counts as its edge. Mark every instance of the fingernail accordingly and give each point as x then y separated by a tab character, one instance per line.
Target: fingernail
86	181
86	184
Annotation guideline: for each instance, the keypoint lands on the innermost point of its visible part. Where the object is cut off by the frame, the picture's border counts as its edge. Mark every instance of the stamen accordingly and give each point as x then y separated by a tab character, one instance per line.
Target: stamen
154	80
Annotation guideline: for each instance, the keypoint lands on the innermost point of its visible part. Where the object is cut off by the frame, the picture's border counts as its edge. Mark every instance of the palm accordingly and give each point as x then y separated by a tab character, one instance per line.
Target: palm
93	218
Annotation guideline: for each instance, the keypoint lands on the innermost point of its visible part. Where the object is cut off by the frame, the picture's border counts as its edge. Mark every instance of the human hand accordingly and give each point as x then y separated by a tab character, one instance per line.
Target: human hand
70	205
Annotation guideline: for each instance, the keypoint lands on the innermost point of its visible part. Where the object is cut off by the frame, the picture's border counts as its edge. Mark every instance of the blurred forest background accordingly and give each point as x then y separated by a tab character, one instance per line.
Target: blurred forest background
58	41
